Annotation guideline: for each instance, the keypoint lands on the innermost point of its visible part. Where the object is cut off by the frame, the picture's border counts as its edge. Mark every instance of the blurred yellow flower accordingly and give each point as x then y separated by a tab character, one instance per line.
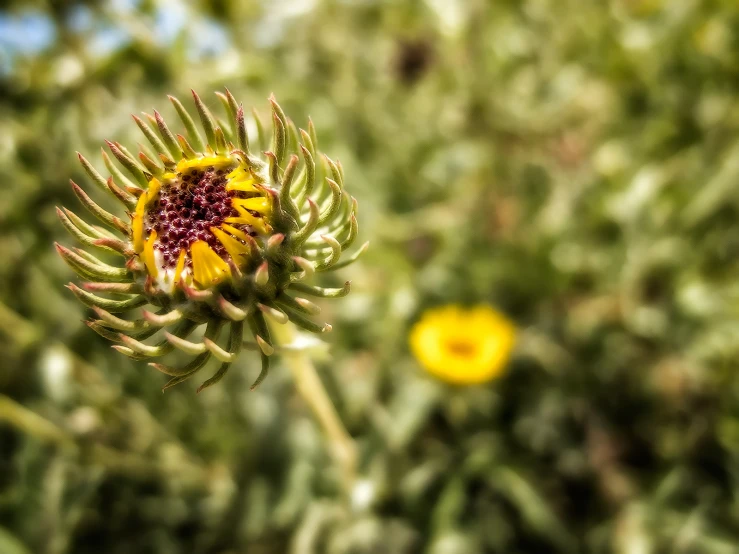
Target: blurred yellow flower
463	346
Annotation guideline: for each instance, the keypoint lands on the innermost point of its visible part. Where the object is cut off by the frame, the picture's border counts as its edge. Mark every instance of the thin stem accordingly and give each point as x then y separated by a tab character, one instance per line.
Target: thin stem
112	460
32	424
309	385
95	391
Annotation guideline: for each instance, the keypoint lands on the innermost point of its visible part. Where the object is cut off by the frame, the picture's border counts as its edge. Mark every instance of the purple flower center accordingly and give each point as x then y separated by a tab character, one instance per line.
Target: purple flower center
186	210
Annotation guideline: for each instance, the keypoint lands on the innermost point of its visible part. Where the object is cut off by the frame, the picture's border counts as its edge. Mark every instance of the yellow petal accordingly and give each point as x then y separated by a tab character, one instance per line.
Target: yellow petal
257	204
245	218
149	258
208	268
240	173
218	162
137	228
141	205
238	252
153	191
238	233
180	267
245	185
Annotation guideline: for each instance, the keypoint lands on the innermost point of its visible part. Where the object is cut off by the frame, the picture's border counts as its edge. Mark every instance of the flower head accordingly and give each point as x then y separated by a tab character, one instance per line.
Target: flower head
215	235
463	346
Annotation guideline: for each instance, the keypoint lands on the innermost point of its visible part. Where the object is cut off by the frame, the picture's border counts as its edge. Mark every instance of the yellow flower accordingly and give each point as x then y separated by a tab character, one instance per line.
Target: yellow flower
463	346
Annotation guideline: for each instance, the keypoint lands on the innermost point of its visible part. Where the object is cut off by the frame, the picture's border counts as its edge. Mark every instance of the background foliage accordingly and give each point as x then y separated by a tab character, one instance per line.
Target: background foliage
573	163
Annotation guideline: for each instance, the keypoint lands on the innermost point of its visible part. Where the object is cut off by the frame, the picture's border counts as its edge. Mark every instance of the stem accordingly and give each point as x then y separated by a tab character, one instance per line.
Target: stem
94	390
32	424
112	460
309	385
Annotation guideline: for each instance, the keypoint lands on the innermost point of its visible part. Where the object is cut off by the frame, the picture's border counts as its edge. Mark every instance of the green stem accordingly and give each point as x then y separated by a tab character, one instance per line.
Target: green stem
114	461
95	391
32	424
341	445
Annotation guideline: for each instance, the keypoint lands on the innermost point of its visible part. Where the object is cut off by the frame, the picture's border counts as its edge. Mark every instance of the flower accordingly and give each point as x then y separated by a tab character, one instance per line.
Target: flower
215	236
463	346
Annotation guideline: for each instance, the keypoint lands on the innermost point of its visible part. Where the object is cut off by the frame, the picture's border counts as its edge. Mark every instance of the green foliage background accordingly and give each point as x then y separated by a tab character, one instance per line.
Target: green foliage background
573	163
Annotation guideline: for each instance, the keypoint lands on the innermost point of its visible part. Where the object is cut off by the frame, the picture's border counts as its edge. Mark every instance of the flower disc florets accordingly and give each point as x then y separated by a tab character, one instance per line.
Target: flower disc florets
191	203
216	236
195	220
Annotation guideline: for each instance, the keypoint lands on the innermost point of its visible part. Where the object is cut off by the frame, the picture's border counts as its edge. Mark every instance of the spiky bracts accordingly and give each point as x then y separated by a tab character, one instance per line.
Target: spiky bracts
215	236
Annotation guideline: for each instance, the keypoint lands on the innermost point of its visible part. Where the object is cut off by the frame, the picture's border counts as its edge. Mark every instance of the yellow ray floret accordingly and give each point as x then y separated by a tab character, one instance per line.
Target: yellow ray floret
180	267
219	162
241	173
241	179
246	185
238	251
137	225
141	205
149	258
137	230
245	218
207	267
258	204
238	233
153	191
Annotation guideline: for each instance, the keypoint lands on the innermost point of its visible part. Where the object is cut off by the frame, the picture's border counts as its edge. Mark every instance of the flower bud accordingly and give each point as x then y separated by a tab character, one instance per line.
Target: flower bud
216	235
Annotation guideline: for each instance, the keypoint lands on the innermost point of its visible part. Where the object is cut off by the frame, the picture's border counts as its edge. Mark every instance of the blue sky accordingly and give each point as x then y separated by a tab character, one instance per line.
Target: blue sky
30	32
